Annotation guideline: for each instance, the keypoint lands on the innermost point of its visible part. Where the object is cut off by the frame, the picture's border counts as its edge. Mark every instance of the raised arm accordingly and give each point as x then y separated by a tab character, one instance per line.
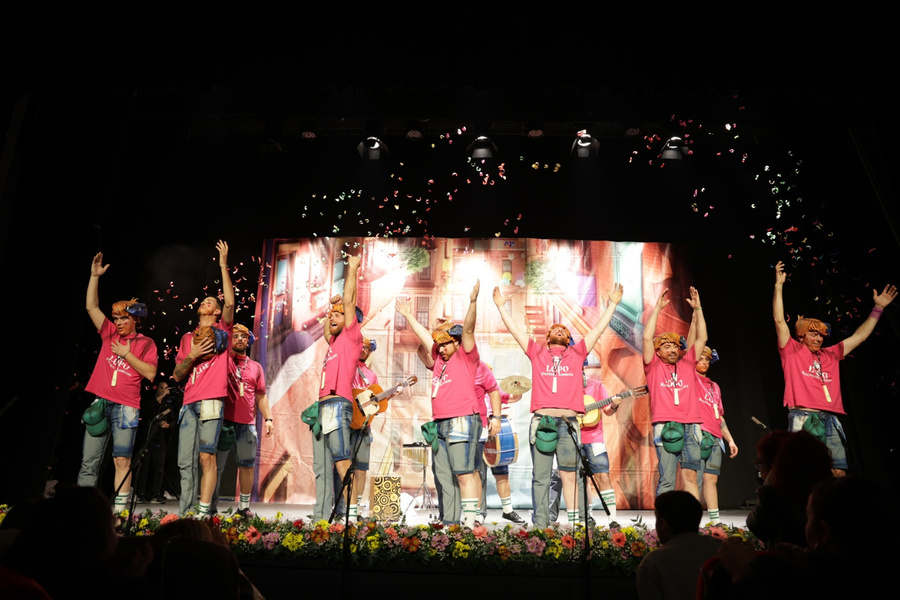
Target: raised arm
92	302
698	323
227	286
868	326
350	290
781	328
468	333
404	307
514	330
650	326
614	296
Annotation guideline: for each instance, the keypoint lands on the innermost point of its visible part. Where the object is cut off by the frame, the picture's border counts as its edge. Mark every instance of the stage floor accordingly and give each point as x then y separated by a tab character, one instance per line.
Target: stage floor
415	516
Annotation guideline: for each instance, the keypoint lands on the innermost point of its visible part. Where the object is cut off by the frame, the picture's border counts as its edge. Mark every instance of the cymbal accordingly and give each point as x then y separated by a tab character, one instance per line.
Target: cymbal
515	384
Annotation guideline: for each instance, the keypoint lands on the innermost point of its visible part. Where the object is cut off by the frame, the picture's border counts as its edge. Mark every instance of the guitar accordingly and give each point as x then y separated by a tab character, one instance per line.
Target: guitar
373	400
592	409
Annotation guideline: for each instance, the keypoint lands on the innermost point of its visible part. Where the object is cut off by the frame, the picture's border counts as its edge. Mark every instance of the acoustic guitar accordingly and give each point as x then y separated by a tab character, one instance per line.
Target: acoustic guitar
592	408
373	400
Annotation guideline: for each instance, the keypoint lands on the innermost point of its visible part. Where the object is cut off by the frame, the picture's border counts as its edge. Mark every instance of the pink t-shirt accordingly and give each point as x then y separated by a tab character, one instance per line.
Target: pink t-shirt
340	362
485	383
711	408
805	374
455	382
364	376
662	381
242	370
208	379
565	365
595	390
127	390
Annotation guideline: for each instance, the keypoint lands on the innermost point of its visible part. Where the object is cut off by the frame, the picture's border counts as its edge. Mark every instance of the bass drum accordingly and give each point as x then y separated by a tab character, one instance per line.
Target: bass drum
503	449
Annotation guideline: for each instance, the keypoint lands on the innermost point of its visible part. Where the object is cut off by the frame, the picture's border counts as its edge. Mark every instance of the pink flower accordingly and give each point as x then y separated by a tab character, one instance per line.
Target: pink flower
619	539
717	532
479	531
168	518
252	535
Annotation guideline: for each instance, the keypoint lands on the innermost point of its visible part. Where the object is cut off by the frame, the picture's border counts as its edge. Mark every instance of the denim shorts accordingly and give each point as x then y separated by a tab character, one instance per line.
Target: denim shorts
689	457
713	464
338	441
245	442
567	453
599	462
835	439
459	435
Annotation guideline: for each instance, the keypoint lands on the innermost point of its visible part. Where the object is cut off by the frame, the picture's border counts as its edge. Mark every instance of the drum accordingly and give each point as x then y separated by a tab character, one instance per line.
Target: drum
503	449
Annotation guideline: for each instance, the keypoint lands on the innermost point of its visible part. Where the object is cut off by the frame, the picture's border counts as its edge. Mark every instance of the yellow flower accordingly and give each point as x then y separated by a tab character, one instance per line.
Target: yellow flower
374	542
292	541
628	530
278	515
460	550
144	522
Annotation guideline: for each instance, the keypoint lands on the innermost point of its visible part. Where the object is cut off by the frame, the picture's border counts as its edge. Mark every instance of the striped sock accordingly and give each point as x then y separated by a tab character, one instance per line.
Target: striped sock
609	496
354	511
121	502
245	502
714	516
573	517
204	509
470	511
506	505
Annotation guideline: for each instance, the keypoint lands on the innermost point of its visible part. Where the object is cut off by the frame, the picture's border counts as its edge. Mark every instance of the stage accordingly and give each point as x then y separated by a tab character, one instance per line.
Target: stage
284	553
733	518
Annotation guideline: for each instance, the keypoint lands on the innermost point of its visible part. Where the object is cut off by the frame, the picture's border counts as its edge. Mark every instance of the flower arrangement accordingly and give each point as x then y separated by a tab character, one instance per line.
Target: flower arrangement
614	551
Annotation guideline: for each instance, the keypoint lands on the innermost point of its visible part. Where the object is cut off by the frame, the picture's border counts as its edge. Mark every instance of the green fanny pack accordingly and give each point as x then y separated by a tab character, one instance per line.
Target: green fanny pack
672	437
430	433
94	418
310	416
706	445
815	426
546	436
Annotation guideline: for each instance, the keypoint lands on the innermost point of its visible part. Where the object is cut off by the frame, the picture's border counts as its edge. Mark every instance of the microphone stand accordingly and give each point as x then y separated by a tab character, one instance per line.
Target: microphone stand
135	469
587	475
348	482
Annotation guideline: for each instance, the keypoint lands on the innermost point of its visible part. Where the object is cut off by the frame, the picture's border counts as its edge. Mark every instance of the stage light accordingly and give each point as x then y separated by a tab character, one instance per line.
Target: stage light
482	147
414	130
371	148
308	129
674	149
584	145
534	131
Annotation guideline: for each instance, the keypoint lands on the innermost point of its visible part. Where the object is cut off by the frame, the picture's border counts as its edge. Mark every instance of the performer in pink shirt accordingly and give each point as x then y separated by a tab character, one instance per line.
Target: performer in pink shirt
812	384
454	407
674	409
332	445
126	357
246	396
557	397
202	363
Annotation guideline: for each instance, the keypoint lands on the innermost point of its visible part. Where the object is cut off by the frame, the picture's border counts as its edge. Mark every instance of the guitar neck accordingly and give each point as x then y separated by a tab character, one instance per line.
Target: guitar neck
390	391
607	401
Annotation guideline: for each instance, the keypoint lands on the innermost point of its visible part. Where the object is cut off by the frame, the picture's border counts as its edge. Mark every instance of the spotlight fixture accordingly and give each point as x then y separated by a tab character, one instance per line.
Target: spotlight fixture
308	129
584	145
534	131
674	149
482	147
414	130
371	148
